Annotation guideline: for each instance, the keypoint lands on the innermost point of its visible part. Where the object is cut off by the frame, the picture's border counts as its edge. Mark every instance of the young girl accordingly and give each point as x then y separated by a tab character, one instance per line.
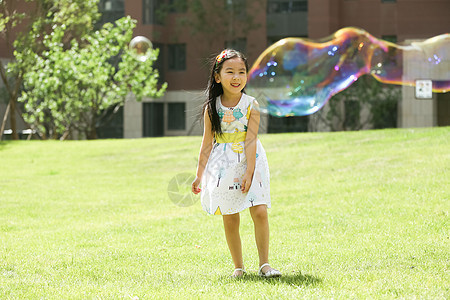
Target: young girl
233	169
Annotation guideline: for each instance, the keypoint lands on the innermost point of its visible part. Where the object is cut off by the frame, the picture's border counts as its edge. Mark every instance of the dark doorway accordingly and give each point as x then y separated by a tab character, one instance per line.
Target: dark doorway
288	124
443	109
153	119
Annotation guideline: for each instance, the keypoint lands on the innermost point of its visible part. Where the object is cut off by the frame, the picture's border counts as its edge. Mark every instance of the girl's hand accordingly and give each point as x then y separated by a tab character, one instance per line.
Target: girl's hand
195	184
246	182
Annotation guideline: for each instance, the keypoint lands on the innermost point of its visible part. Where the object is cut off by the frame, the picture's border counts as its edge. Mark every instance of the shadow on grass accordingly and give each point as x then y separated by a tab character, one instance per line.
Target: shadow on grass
296	279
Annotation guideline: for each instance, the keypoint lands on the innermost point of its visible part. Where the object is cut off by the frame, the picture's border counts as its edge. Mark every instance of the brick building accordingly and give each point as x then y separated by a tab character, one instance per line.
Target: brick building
182	58
186	44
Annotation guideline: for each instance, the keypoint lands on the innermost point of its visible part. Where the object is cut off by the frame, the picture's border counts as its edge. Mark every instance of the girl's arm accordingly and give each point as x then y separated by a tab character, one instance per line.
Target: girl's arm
250	146
205	151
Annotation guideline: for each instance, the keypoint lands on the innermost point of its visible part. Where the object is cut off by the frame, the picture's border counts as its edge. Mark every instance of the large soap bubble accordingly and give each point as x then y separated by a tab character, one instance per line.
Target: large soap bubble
296	77
139	47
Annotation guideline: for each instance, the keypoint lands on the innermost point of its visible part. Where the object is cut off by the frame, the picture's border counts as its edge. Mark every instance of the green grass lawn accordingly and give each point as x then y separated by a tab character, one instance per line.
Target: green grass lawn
354	215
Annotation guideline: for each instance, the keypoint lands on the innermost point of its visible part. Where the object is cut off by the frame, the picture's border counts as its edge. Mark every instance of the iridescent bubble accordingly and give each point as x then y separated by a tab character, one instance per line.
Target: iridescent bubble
139	47
296	77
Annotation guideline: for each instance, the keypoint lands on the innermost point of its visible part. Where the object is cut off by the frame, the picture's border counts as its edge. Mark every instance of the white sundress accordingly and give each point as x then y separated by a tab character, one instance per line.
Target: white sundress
221	182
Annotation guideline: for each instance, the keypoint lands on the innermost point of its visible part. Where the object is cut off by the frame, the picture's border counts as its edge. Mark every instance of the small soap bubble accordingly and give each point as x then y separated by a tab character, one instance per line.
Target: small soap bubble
296	77
139	47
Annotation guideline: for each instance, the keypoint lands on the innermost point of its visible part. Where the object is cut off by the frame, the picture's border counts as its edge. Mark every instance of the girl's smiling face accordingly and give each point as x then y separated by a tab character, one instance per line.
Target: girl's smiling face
232	76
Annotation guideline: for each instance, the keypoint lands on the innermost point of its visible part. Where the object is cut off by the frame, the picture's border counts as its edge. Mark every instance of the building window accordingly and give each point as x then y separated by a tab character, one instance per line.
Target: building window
111	10
151	12
273	39
283	6
177	116
237	7
237	44
177	57
390	38
178	6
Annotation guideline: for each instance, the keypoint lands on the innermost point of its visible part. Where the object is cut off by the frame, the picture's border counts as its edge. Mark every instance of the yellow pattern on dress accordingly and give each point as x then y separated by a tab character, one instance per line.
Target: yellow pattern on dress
231	137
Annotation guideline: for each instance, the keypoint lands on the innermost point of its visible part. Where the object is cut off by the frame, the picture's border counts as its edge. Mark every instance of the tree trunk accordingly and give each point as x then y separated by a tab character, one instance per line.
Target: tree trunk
12	118
5	117
12	100
91	133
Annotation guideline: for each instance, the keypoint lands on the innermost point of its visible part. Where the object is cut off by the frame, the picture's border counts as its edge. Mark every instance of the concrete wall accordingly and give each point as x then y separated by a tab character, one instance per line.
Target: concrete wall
132	118
415	112
133	114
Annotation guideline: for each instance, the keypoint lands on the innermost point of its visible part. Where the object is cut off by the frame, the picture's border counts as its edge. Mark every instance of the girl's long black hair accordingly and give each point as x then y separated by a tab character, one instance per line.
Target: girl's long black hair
215	89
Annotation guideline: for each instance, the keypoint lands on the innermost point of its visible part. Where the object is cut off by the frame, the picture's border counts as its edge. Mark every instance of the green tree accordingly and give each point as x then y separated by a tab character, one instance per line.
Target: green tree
78	16
67	88
344	109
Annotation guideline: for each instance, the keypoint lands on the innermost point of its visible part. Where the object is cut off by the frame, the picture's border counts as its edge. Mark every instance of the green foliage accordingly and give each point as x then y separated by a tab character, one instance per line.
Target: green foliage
78	17
42	17
67	87
9	18
74	14
384	112
346	108
3	21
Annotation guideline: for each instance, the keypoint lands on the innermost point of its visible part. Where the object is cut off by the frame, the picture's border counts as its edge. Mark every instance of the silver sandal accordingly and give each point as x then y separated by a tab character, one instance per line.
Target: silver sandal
269	274
238	269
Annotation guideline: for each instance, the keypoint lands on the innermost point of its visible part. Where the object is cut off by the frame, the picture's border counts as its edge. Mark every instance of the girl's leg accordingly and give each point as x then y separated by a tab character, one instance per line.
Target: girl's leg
231	225
261	222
